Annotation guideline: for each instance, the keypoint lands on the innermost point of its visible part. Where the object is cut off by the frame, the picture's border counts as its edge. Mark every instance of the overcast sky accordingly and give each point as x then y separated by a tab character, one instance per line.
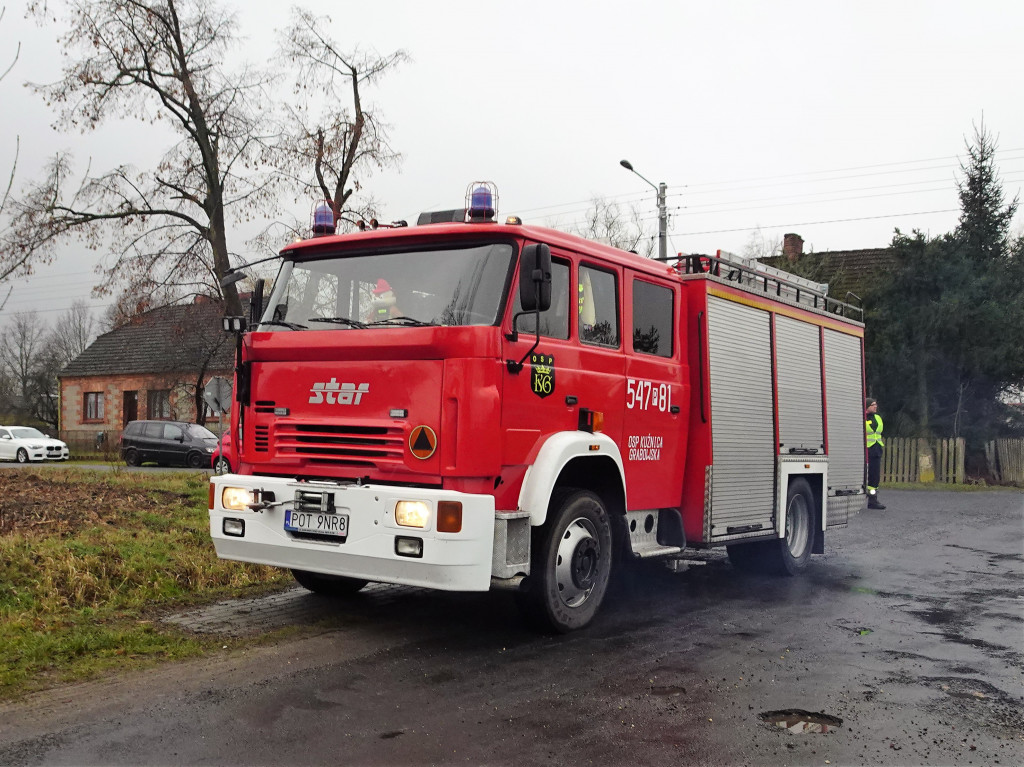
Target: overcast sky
839	122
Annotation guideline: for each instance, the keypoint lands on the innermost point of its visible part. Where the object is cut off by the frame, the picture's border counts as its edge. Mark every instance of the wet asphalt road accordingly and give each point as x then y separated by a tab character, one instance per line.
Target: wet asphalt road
910	629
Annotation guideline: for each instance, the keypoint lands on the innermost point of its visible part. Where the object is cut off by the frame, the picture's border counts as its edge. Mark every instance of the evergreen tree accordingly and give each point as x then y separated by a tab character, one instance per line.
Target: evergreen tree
943	339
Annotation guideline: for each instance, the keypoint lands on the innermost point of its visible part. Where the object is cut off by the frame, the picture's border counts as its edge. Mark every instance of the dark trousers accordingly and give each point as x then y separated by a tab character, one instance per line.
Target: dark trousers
874	465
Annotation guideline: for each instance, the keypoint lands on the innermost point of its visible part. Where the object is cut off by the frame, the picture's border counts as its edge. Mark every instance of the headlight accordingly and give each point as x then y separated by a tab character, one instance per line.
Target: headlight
235	498
412	513
208	449
35	447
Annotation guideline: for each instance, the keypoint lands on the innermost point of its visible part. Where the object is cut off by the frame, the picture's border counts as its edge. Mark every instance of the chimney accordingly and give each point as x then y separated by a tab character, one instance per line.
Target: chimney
792	246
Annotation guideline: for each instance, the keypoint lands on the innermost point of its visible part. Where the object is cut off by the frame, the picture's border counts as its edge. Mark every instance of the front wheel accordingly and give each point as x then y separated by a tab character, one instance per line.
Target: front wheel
328	585
196	460
570	563
221	465
22	455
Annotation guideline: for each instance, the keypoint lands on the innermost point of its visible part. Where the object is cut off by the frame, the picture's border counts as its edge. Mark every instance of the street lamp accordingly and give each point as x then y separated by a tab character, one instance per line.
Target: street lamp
662	213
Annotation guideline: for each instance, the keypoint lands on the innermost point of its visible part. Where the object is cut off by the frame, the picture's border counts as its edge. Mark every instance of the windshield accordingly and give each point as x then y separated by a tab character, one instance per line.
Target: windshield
23	432
200	432
444	286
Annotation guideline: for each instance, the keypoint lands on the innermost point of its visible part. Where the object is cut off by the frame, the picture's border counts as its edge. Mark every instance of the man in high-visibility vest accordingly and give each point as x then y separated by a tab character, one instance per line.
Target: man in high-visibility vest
873	429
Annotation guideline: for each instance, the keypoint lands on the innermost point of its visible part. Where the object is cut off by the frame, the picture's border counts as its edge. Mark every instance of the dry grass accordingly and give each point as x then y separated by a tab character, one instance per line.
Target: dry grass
88	559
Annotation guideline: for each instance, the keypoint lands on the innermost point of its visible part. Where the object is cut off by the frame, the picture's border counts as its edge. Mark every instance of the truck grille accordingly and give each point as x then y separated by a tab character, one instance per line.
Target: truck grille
340	443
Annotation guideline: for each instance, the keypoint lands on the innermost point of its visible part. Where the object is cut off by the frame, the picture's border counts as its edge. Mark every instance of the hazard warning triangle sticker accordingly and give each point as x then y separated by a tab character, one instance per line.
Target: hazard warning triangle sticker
422	442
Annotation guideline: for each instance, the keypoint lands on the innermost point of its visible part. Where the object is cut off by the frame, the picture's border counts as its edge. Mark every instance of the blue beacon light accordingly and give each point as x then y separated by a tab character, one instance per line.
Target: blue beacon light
323	219
482	195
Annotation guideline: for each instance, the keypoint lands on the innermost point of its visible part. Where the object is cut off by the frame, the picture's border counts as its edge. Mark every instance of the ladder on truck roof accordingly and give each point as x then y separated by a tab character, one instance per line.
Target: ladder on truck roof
749	273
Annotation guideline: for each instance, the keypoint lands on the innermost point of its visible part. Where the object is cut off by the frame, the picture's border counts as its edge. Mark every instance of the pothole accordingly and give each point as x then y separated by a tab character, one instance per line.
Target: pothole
798	722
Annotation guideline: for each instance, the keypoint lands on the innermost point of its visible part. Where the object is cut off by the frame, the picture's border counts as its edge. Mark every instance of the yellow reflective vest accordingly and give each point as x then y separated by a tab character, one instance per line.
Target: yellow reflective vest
873	426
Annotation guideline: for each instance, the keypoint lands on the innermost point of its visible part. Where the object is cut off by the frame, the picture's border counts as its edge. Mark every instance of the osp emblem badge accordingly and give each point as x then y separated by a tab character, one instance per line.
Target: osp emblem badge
542	374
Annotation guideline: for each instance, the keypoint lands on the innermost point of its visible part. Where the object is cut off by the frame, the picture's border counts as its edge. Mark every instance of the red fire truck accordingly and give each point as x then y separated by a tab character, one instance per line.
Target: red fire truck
468	405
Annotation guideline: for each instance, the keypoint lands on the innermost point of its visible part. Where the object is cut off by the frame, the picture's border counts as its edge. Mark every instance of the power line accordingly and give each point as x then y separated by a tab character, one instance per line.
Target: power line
813	223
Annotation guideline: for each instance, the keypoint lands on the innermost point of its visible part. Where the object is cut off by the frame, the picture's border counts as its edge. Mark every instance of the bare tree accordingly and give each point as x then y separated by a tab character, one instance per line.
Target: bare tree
6	271
72	333
156	61
761	245
605	222
338	142
24	362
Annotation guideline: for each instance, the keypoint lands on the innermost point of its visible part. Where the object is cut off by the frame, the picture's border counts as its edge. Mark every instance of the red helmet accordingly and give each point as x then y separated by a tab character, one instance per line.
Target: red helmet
382	287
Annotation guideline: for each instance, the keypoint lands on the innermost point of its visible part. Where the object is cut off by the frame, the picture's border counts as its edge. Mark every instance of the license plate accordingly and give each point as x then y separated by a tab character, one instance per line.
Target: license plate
316	522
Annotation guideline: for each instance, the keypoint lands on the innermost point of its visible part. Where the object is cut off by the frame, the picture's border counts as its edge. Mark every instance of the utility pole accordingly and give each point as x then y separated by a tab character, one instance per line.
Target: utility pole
662	212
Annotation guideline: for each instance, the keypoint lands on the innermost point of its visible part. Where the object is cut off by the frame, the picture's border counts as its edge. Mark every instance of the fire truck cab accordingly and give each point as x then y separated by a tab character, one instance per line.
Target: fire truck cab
472	405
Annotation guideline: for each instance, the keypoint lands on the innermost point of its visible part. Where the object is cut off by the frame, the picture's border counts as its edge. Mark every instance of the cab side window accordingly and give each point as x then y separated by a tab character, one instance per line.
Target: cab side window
652	319
554	323
598	307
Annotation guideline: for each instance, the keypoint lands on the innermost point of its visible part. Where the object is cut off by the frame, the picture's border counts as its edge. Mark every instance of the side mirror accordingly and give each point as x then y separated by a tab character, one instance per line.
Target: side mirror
535	278
256	304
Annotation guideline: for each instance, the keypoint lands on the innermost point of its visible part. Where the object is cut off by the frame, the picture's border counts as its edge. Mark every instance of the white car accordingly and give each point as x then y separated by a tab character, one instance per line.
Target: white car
24	444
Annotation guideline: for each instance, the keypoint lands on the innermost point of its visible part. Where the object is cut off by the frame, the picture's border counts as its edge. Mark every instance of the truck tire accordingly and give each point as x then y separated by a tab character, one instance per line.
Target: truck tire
782	556
789	555
328	585
570	563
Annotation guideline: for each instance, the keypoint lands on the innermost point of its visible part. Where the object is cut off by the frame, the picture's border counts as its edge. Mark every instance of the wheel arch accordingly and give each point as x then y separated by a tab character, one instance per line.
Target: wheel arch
569	459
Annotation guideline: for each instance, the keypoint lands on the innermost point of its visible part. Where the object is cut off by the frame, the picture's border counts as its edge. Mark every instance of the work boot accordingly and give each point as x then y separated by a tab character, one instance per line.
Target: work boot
874	504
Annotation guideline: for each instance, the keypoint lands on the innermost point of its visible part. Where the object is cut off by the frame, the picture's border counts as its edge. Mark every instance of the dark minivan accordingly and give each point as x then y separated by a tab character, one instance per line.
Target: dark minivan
167	442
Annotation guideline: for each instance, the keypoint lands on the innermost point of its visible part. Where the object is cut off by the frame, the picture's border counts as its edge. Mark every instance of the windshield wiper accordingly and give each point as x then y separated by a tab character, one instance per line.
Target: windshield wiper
283	324
339	321
404	321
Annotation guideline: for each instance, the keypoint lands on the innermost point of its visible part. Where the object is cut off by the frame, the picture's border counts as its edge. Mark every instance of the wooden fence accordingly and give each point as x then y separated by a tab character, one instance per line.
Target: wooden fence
1006	460
910	460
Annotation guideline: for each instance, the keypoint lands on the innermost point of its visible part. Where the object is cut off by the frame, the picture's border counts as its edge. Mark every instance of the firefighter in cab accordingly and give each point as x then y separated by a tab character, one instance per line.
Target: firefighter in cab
873	428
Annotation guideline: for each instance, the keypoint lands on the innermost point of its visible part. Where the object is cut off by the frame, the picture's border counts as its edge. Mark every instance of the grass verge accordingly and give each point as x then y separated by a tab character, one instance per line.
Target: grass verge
90	560
955	488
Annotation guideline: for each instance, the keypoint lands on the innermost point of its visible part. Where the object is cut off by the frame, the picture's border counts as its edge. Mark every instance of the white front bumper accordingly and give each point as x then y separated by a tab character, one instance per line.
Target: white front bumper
42	454
451	561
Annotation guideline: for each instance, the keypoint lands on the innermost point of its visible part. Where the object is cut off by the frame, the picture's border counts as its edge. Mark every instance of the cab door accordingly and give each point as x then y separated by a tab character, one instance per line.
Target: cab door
578	363
653	443
534	403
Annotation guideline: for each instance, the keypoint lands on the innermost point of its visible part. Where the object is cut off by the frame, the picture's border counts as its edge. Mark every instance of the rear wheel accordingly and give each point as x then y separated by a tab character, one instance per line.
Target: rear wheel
788	555
131	457
570	563
22	455
328	585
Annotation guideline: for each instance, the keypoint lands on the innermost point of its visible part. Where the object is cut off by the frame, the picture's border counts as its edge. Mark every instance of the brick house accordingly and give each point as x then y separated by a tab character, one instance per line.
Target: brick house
845	271
154	367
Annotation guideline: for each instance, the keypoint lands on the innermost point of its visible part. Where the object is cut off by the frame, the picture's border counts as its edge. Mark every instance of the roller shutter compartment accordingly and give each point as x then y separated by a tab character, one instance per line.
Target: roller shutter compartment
742	418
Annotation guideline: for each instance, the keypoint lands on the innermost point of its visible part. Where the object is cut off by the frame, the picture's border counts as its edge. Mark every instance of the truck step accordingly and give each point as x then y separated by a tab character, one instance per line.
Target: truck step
650	550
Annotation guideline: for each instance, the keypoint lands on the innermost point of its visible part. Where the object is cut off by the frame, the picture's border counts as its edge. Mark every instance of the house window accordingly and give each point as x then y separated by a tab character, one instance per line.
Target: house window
93	406
158	404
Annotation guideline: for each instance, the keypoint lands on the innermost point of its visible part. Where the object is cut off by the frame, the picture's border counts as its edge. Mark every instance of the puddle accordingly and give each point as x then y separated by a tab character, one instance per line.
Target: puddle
799	722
